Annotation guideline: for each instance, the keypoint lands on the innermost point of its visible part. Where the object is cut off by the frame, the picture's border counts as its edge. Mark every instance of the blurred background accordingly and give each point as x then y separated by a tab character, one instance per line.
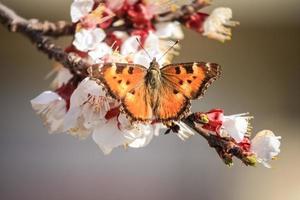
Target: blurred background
260	75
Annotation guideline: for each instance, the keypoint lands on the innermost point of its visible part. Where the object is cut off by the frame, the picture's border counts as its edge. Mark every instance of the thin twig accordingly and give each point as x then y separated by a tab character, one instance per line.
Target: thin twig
227	148
15	23
183	12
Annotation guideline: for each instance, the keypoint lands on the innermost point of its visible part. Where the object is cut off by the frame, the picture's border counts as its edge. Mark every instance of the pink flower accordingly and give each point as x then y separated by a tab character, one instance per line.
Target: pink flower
195	21
215	120
140	16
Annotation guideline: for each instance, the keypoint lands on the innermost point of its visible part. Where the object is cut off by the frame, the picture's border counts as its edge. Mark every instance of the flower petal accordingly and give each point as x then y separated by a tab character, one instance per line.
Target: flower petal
80	8
216	25
107	136
52	109
86	40
266	146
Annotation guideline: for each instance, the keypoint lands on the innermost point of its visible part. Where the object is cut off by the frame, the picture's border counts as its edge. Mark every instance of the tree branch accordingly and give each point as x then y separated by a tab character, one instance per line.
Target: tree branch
36	34
13	21
183	12
227	148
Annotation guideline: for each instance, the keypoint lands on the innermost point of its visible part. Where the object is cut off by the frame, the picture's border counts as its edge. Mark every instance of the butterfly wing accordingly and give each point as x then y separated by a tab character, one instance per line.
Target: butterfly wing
125	82
137	104
191	79
119	78
180	83
171	104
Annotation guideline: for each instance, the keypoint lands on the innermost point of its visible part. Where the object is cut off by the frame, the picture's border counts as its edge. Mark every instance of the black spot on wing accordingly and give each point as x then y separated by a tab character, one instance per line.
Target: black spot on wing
188	68
120	68
130	70
177	70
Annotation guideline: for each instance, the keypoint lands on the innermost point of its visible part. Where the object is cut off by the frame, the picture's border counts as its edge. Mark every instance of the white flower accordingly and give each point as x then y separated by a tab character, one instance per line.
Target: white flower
100	51
216	25
236	126
88	107
170	30
63	75
119	131
139	134
86	40
108	136
266	146
52	109
80	8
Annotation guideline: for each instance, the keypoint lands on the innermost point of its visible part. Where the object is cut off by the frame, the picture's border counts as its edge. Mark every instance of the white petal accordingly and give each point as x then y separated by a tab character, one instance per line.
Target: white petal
130	45
84	90
171	30
62	77
86	40
80	8
107	136
101	50
236	126
138	134
52	109
266	146
88	107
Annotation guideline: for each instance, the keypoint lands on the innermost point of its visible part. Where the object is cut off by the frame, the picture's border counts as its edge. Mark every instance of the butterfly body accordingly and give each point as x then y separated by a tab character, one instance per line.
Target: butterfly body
161	94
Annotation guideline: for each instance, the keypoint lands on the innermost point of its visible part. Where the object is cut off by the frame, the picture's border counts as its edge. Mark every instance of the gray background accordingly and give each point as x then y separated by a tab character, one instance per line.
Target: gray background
260	75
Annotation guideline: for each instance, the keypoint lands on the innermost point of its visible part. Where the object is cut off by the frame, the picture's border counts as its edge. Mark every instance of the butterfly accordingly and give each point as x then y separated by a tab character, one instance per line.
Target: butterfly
160	94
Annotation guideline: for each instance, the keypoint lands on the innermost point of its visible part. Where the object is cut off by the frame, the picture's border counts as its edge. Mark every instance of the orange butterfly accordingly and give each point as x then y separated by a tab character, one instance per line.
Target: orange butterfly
161	94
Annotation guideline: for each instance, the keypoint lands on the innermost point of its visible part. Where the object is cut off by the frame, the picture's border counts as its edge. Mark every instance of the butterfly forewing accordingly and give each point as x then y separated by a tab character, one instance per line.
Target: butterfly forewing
119	78
191	79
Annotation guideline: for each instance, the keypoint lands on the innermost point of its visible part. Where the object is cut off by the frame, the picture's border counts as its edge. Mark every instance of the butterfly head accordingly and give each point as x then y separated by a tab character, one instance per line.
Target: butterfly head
154	65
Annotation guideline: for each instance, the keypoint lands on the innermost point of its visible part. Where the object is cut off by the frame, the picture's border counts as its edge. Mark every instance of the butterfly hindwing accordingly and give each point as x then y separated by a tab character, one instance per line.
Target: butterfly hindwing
191	79
171	104
119	78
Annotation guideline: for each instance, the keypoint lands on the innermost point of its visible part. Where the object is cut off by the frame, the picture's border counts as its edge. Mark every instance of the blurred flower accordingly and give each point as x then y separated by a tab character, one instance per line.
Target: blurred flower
216	25
236	126
195	21
266	146
100	51
130	46
86	40
80	8
101	17
88	107
52	109
63	75
140	15
169	30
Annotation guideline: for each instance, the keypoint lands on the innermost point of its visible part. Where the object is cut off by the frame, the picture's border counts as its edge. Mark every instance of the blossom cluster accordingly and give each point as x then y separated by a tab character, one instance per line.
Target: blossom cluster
108	32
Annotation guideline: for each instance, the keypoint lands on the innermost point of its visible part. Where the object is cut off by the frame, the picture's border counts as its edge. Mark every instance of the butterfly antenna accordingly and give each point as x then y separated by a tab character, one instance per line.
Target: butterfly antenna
176	42
143	47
